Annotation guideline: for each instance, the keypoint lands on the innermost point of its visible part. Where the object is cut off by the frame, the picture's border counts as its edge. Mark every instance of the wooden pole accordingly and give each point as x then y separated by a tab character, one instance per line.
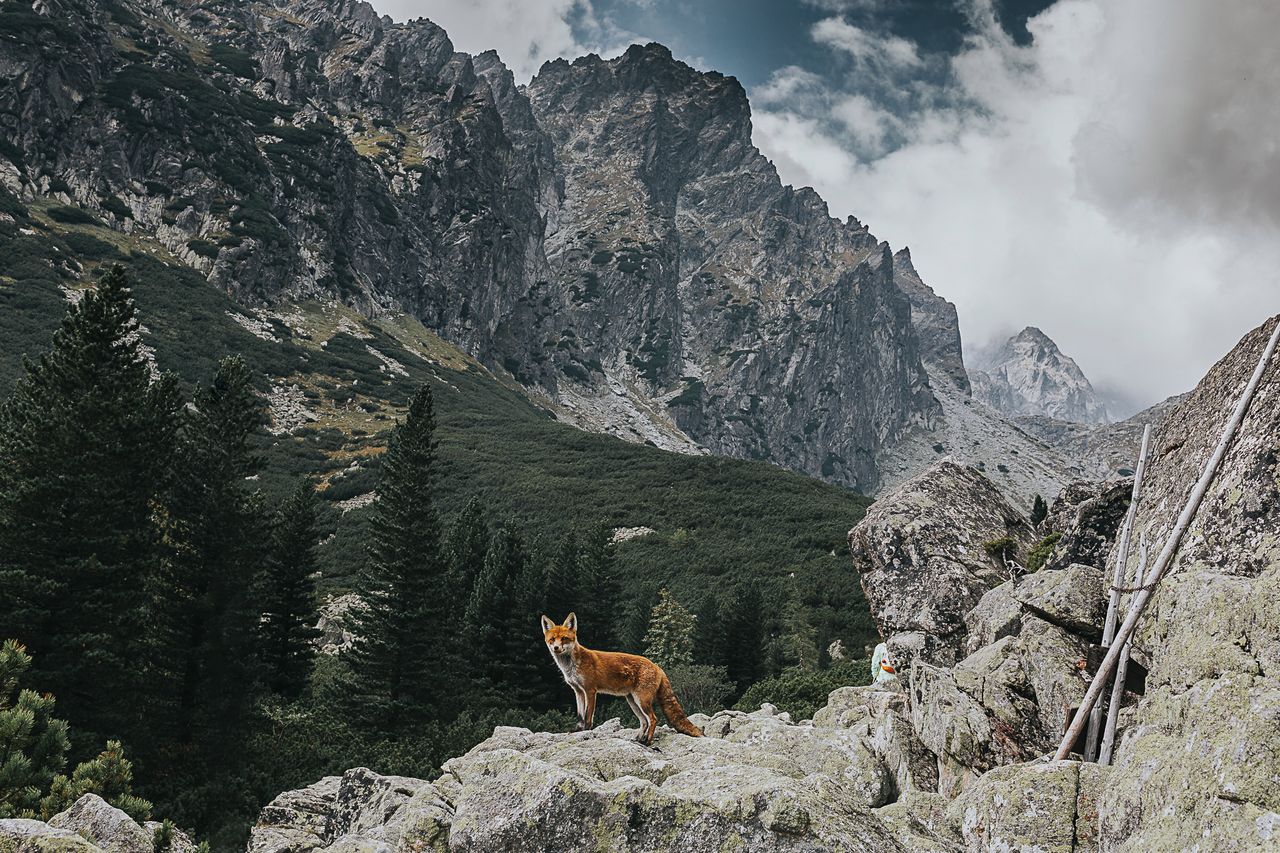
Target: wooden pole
1122	670
1117	581
1166	554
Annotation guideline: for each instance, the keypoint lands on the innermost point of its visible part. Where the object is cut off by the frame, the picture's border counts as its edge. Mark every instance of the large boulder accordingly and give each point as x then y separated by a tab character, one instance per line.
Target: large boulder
997	615
20	835
1089	516
922	562
1199	759
1074	598
106	826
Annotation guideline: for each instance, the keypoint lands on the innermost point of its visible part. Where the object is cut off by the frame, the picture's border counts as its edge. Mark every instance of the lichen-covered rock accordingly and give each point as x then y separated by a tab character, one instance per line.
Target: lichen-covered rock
1089	516
954	727
1028	684
756	782
19	835
89	825
921	558
1200	760
1074	598
919	821
299	820
996	615
106	826
1027	807
880	714
1203	764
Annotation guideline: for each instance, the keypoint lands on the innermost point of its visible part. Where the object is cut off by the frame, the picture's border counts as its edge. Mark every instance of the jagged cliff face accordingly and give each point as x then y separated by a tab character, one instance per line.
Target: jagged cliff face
1029	375
287	150
609	236
701	292
936	324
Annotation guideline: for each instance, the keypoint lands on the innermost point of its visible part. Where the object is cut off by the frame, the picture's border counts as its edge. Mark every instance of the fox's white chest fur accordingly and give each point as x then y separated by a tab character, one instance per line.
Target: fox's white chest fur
569	669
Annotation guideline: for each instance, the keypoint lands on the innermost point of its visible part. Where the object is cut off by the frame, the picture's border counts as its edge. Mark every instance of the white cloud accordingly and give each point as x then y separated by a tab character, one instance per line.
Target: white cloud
525	33
846	5
1116	182
866	48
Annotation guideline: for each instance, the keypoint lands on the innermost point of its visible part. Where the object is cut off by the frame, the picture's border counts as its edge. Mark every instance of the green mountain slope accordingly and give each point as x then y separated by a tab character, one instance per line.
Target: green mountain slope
344	379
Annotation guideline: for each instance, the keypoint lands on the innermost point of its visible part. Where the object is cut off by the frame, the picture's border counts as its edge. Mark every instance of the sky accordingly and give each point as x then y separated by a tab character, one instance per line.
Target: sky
1106	170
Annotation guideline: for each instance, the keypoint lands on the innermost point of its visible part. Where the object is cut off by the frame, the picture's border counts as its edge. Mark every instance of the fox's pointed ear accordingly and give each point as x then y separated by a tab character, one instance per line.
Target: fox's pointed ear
547	624
571	621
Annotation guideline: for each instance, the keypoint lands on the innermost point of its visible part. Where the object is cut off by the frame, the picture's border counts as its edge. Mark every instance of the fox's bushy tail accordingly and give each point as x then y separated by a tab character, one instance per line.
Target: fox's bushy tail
674	713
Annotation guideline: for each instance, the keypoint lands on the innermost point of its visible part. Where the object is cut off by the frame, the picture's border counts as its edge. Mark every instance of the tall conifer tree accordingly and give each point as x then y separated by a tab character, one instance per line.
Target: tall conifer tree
287	596
86	443
405	657
220	545
602	594
468	542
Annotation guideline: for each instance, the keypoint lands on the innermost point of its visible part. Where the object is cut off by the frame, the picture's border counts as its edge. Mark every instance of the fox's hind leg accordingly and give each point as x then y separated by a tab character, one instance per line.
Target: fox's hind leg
635	709
650	721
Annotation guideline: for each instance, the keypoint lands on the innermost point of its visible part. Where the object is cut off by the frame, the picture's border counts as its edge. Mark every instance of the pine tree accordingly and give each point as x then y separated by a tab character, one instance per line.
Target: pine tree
709	639
486	620
1039	511
110	776
467	544
797	643
86	446
528	673
564	583
219	548
287	595
744	637
602	609
405	656
33	745
669	640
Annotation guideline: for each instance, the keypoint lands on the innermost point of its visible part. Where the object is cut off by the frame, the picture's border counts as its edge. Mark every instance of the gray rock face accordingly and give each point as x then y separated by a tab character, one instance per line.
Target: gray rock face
105	826
1049	807
921	561
1089	516
935	321
1074	598
1029	375
691	289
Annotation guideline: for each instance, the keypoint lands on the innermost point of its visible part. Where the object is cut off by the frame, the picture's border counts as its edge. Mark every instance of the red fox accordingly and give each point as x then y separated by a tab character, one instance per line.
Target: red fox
613	674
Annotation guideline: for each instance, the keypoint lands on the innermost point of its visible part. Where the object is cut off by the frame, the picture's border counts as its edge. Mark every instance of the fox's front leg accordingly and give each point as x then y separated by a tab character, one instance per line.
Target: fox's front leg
580	697
591	707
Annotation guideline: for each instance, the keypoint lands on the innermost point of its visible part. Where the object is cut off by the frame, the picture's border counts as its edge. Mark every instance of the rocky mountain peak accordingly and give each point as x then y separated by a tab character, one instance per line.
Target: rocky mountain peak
935	321
1029	375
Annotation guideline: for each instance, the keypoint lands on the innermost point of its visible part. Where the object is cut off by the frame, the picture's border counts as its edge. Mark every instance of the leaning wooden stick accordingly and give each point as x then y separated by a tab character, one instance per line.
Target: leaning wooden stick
1122	670
1167	553
1117	581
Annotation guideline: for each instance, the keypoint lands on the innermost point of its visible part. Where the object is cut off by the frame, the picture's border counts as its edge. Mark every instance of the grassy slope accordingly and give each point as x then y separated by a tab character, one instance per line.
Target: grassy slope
718	521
